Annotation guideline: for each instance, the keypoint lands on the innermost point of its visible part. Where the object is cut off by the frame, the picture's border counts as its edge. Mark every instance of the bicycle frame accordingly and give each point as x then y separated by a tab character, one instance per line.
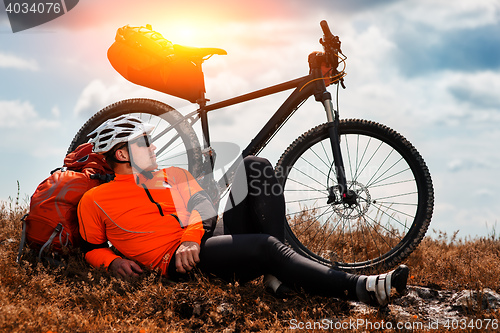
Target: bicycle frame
306	86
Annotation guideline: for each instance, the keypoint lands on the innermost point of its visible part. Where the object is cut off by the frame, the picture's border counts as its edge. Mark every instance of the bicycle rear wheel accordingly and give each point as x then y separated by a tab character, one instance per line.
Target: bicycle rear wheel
173	136
394	192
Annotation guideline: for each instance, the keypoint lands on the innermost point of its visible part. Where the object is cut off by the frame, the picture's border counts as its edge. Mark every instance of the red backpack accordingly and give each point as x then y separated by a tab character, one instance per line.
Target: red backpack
52	221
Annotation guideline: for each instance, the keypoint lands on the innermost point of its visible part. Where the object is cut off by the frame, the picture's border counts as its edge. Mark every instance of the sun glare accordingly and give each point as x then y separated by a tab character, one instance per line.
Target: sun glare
185	33
190	32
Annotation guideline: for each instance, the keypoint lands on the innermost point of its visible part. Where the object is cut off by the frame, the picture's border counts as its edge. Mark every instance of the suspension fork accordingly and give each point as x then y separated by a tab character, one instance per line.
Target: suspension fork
322	95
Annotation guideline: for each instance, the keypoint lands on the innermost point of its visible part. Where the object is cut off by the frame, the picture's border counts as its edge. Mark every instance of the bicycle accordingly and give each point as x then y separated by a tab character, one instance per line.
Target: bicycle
359	196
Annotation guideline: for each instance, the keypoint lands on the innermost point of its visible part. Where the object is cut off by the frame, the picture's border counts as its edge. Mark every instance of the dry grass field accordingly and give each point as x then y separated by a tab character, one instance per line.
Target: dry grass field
75	298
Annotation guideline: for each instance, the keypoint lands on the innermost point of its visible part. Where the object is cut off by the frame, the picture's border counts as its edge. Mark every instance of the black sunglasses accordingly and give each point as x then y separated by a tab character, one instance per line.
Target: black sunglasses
143	141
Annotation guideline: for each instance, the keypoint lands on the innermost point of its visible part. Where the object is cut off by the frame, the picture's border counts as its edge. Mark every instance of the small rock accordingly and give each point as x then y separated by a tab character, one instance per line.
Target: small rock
426	293
225	309
469	299
197	309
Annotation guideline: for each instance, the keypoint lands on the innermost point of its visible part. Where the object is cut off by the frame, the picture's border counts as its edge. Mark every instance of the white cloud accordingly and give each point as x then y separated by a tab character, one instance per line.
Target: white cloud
15	113
446	15
21	124
55	111
483	93
18	114
55	151
97	95
12	61
4	22
469	163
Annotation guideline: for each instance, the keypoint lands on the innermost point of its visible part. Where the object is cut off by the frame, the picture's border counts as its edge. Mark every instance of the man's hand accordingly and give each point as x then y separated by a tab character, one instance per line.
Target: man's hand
187	256
124	267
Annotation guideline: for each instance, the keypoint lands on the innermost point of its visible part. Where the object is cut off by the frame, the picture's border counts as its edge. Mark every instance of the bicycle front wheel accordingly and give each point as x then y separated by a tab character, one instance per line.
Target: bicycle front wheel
394	197
175	140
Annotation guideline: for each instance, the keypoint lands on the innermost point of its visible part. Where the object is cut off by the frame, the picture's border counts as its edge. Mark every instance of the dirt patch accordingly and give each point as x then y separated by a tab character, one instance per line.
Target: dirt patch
428	309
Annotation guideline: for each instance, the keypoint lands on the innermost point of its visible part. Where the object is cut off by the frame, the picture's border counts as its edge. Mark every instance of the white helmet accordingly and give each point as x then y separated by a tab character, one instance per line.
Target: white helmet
117	130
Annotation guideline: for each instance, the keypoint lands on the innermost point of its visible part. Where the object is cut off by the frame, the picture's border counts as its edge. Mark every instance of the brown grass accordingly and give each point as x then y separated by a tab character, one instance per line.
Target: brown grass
338	240
455	264
35	298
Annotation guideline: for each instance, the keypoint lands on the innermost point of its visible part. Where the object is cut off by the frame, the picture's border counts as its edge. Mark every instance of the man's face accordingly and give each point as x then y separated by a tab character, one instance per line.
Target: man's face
142	152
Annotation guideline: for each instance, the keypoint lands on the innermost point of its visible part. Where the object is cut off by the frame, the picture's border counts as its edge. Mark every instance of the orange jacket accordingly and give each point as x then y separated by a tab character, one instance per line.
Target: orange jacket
146	220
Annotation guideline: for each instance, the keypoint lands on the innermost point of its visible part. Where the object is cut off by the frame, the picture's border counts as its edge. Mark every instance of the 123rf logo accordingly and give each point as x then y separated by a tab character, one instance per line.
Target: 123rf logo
25	14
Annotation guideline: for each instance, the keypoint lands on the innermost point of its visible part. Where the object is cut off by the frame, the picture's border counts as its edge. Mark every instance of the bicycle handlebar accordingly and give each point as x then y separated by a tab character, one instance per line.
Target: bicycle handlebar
331	44
326	29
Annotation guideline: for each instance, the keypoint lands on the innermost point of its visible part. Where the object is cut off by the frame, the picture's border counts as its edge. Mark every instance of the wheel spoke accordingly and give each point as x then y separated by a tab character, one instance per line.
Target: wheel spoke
314	167
307	186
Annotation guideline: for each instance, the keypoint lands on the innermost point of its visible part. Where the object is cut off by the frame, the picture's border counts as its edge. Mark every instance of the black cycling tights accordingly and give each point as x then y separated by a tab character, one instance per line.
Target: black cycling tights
252	241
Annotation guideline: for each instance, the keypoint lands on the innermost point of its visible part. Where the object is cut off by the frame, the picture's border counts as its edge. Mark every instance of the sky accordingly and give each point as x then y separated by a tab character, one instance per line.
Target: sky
429	69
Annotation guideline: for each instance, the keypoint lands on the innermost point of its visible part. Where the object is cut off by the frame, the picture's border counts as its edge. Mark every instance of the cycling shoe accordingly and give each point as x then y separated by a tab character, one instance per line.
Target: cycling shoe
376	289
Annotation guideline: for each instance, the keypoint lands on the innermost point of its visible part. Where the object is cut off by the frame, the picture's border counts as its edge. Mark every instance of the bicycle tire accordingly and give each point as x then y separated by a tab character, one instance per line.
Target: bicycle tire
374	234
179	147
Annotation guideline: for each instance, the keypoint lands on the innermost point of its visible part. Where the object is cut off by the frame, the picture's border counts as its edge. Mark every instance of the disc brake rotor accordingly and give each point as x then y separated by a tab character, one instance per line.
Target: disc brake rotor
353	211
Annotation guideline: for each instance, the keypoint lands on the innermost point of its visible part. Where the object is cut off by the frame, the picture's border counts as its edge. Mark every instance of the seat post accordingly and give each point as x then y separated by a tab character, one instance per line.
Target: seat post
204	127
208	152
202	102
202	111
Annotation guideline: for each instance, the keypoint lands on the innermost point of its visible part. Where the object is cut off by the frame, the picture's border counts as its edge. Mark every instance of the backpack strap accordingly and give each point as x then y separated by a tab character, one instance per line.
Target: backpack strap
57	230
67	239
105	178
57	169
23	238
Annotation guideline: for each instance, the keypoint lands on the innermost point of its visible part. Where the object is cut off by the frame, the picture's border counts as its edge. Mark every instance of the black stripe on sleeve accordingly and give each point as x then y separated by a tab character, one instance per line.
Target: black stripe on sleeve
87	247
201	202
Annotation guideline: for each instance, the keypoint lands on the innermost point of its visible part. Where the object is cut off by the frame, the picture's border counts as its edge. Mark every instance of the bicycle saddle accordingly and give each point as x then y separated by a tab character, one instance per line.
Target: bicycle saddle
197	52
